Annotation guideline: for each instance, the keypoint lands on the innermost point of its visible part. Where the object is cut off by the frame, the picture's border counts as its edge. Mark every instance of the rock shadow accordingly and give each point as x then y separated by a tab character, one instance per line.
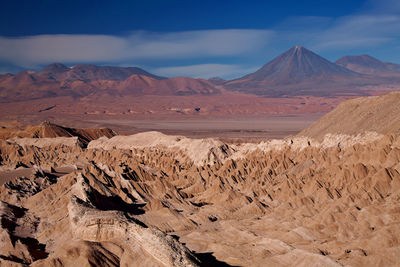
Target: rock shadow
114	202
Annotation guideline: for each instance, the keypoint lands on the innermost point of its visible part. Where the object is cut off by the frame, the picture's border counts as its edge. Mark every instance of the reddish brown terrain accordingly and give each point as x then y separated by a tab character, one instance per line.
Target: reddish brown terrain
151	199
296	82
92	81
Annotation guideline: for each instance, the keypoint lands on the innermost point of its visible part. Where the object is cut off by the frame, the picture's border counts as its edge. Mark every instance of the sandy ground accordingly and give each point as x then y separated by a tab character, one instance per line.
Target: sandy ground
229	128
233	127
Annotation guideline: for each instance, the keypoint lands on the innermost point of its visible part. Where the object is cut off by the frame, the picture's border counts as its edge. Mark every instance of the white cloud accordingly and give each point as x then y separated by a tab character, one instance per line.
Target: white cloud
356	31
33	50
359	31
205	71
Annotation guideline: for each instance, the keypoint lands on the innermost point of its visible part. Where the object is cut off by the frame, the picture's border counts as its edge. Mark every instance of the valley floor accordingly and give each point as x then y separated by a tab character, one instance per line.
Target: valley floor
227	128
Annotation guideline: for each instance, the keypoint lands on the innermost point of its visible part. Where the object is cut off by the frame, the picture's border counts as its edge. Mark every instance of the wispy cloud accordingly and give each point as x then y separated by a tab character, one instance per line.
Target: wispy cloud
359	31
339	34
383	6
33	50
194	44
205	71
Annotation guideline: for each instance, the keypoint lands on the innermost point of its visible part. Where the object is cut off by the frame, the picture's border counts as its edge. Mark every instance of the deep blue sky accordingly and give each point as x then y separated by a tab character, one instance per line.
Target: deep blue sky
192	38
30	17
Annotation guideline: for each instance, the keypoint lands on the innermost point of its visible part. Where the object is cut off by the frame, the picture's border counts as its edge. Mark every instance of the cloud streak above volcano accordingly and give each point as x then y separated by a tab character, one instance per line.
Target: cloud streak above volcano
31	50
228	52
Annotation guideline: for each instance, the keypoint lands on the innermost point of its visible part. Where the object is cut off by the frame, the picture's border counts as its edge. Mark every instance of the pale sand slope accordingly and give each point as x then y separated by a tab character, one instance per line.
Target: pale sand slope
294	202
374	113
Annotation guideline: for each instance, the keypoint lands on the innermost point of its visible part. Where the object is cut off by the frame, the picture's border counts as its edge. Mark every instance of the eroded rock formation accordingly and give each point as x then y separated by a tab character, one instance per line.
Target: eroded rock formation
156	200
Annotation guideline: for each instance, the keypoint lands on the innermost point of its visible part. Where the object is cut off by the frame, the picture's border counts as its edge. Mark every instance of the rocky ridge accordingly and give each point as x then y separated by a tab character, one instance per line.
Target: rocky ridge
36	135
283	202
89	81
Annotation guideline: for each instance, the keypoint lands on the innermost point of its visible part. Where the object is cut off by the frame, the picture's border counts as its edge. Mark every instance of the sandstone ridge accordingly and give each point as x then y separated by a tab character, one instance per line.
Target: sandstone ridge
375	113
140	198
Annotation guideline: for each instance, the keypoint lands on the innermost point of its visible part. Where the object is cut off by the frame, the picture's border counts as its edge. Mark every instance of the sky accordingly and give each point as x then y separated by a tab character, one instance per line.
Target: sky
192	38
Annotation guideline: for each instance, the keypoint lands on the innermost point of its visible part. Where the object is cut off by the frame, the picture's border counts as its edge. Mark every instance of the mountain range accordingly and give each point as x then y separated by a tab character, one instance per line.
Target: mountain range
368	65
90	80
296	72
300	71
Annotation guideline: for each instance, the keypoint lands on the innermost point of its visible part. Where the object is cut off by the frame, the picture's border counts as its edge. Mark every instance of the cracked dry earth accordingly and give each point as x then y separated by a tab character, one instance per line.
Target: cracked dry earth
156	200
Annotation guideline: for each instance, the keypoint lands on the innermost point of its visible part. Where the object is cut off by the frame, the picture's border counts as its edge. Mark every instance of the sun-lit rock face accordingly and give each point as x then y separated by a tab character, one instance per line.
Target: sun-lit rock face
156	200
375	113
48	132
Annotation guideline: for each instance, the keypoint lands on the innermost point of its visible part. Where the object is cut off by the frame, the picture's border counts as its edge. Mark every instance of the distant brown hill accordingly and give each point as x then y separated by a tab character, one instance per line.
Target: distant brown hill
50	130
143	85
297	81
87	72
376	113
84	80
368	65
300	71
217	80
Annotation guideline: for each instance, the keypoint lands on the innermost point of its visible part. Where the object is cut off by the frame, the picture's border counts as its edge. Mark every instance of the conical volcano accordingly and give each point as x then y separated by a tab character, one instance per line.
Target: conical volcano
299	64
294	70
